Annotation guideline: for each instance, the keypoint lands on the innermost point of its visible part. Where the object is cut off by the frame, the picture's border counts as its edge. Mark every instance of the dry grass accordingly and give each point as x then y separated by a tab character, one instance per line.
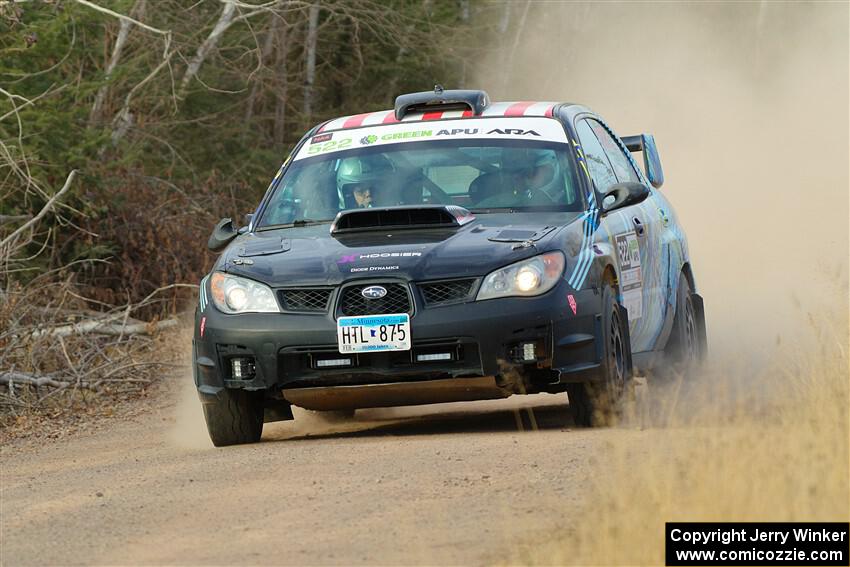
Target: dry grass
736	443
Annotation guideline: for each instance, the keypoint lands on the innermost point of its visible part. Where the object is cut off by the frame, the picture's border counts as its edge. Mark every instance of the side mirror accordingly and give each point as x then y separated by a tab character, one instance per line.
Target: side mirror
223	233
622	195
651	160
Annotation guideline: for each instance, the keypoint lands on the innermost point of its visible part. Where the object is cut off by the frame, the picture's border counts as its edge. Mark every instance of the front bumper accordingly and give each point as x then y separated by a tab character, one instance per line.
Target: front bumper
481	335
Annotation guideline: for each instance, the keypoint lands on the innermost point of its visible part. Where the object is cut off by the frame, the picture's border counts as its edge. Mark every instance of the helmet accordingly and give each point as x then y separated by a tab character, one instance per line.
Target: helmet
549	179
362	169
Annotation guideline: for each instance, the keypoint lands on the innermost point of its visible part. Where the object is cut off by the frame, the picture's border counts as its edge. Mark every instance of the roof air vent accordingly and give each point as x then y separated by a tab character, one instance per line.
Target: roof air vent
440	100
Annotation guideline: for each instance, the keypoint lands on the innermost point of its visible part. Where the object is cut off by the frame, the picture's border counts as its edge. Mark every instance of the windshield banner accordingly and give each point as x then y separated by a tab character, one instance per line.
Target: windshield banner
538	128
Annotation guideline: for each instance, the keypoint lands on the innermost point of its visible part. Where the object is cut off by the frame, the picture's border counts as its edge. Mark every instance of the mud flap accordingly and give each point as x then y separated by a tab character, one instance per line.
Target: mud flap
276	410
699	312
273	410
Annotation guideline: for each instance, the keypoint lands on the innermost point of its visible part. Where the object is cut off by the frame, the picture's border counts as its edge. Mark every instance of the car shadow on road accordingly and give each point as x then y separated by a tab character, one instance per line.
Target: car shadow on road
442	419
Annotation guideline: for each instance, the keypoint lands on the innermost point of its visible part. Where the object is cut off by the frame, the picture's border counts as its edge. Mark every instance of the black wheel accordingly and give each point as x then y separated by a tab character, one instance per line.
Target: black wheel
234	417
683	350
597	403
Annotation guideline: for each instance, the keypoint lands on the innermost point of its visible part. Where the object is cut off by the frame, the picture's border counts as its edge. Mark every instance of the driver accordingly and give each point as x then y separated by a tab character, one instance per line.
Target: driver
358	179
363	196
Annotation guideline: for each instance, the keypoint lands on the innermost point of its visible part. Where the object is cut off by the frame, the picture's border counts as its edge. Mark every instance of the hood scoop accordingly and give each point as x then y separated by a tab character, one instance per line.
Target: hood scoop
521	235
263	247
401	218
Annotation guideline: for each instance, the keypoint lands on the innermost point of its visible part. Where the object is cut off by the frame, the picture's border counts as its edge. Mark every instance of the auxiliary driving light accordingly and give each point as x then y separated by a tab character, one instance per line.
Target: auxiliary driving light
243	368
433	357
333	363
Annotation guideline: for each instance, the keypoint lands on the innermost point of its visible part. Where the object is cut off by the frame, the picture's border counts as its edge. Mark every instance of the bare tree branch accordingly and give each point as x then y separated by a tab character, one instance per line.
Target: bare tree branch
44	210
13	218
224	21
166	33
268	44
282	97
9	378
100	327
310	56
123	34
124	118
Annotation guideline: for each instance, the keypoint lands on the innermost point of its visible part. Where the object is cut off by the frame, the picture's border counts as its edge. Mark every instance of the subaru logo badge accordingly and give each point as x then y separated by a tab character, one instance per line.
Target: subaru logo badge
373	292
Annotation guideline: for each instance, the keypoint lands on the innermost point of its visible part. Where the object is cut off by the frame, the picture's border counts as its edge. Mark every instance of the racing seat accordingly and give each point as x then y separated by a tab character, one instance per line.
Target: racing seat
484	186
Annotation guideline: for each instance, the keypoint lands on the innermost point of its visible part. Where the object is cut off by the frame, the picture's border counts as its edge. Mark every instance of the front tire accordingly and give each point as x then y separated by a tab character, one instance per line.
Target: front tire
597	403
234	417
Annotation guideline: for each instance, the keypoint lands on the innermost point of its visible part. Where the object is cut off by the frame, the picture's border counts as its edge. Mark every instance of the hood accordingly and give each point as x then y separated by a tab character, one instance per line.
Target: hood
309	255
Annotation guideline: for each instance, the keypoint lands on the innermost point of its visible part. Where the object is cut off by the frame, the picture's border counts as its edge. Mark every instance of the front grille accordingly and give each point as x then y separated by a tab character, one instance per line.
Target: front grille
305	299
453	291
397	300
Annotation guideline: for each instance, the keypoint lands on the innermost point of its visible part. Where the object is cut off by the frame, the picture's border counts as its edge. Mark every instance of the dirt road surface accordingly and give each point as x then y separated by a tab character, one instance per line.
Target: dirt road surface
483	483
448	484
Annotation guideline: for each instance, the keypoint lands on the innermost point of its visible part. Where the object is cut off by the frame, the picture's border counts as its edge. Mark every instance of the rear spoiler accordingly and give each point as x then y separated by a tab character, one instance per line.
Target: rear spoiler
401	218
651	161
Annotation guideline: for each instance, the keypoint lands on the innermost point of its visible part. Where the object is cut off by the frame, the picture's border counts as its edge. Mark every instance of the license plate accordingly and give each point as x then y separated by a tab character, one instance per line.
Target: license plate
372	333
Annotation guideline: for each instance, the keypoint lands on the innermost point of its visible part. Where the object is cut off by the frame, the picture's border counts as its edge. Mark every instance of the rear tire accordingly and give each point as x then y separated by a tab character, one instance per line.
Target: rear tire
598	403
683	349
234	417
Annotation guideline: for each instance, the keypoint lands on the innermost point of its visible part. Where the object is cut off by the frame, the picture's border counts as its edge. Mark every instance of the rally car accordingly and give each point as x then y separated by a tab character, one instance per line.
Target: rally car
448	249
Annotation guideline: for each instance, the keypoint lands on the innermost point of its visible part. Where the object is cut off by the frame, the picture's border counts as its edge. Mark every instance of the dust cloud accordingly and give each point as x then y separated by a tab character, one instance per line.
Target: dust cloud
749	104
189	431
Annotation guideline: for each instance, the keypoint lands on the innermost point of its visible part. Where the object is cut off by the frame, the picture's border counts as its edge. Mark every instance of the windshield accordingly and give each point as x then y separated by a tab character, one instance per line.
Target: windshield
478	173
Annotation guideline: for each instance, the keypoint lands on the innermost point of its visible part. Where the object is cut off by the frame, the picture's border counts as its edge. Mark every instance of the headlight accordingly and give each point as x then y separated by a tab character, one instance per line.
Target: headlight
529	277
232	294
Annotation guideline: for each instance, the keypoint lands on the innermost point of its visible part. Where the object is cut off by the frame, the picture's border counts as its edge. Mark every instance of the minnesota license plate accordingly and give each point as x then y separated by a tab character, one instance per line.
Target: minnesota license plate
371	333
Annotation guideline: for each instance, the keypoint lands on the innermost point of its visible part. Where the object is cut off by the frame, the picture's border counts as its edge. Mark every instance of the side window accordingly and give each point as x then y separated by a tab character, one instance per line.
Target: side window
622	167
597	162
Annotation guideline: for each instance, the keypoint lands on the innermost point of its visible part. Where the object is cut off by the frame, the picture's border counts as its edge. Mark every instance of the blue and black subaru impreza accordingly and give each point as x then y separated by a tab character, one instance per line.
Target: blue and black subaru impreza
448	249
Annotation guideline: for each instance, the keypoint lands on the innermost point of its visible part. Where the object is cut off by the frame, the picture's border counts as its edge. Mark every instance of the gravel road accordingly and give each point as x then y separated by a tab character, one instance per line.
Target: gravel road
446	484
